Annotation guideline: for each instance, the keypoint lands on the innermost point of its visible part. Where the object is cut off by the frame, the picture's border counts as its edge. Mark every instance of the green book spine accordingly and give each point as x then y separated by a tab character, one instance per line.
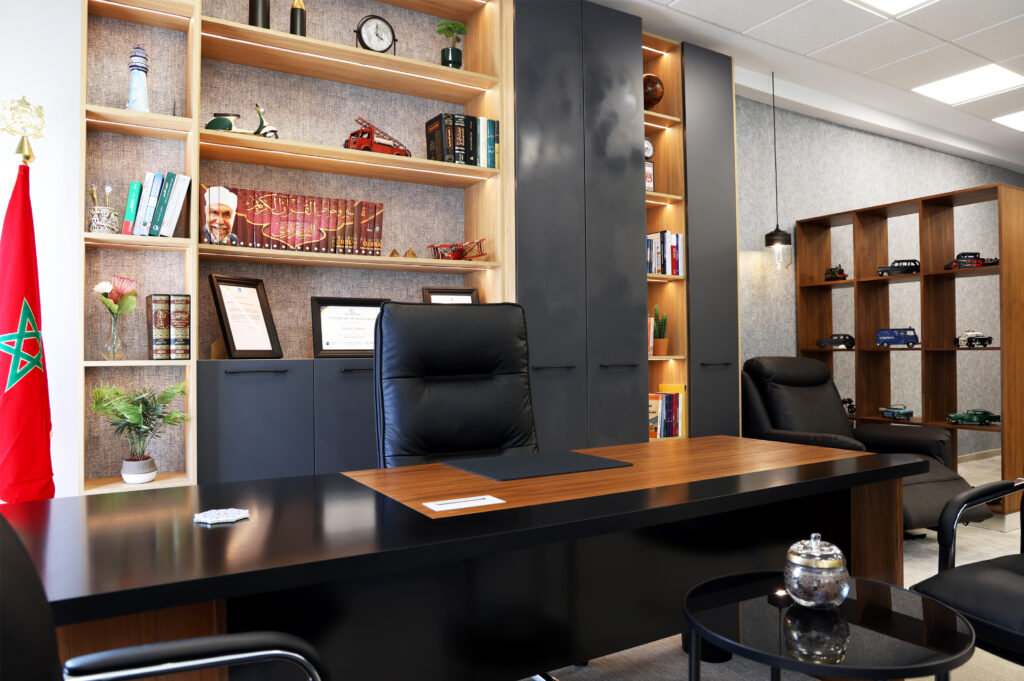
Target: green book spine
134	190
161	205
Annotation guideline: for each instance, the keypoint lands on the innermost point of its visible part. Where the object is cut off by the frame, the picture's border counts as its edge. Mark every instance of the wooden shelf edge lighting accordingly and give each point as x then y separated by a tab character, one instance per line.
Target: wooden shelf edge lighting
302	259
107	485
175	15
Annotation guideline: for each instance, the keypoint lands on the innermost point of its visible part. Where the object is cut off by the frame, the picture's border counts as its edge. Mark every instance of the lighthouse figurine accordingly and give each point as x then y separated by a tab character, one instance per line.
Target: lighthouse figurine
138	90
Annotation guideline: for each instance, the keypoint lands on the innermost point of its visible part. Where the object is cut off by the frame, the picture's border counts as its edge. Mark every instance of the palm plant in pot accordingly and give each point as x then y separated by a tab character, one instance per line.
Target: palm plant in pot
453	31
138	414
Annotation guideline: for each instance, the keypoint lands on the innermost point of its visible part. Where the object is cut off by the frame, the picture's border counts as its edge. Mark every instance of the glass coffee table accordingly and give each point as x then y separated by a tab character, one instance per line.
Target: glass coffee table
880	632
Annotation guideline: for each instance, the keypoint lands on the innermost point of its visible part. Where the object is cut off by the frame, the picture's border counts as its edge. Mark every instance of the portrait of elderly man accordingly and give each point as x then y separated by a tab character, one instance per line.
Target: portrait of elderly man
219	216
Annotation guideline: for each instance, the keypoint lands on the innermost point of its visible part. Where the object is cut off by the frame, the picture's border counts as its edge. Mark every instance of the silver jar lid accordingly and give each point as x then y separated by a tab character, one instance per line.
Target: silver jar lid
815	553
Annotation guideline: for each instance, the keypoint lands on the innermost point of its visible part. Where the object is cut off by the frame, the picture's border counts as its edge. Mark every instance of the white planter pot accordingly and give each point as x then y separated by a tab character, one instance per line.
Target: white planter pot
138	472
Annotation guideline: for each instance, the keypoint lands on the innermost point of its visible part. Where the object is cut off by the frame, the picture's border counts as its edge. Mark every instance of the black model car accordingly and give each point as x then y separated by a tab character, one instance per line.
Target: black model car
837	340
900	267
970	259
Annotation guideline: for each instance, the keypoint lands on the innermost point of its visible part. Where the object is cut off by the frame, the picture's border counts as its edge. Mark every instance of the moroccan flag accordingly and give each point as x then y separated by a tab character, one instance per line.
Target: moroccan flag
25	471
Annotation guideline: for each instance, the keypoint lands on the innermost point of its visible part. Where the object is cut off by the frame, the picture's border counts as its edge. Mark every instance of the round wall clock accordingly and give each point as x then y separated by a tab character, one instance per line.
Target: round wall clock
648	149
375	33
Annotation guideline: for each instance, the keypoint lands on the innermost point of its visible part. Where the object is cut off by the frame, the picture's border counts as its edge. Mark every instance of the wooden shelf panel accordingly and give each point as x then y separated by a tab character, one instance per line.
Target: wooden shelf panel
236	148
107	485
995	428
660	120
138	123
963	197
817	349
841	282
674	437
658	198
916	348
262	48
105	364
914	420
991	347
665	278
965	272
664	358
460	10
136	243
891	277
283	257
655	44
171	14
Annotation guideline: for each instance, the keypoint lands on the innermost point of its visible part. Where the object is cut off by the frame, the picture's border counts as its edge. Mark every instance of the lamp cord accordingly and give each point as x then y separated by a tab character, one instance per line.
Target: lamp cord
775	153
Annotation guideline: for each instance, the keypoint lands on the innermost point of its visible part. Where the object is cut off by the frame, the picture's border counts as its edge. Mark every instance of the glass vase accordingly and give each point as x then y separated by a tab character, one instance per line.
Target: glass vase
113	346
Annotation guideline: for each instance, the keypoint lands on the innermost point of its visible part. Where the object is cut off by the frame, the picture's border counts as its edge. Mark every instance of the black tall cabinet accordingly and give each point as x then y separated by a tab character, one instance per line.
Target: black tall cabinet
579	195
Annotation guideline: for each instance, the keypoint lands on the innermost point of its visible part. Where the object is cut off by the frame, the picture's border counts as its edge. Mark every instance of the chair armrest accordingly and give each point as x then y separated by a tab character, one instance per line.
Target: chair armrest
959	503
815	439
169	657
885	438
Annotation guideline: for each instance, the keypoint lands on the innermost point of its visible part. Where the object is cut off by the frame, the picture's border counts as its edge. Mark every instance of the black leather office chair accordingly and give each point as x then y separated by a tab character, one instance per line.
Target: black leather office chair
989	593
28	639
451	381
793	399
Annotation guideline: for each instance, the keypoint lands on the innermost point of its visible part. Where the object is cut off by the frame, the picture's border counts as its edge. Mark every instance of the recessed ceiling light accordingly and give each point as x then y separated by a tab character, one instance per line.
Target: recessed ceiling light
973	84
1014	120
894	7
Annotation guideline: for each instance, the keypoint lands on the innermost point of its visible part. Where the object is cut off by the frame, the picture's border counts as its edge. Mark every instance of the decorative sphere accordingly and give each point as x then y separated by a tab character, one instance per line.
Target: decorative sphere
654	90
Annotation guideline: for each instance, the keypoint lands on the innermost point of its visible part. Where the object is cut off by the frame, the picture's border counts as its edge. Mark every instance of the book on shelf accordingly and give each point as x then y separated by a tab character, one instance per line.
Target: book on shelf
459	146
441	138
378	227
664	414
131	206
175	203
680	390
463	139
666	253
158	317
144	218
181	324
140	211
161	204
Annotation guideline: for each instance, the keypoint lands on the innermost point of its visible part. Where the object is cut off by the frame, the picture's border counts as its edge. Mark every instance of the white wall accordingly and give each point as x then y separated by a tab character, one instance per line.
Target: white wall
41	58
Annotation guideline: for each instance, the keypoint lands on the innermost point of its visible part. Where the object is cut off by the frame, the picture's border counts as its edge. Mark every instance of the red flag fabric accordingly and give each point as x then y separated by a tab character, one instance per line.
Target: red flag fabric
25	470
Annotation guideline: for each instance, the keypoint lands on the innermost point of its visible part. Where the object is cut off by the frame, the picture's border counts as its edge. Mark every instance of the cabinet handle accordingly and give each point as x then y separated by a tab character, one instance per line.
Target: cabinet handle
619	364
344	370
255	371
553	366
715	364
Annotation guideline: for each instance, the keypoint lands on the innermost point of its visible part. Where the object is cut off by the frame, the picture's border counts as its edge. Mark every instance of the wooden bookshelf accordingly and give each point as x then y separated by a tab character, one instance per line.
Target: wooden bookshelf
140	123
936	218
302	259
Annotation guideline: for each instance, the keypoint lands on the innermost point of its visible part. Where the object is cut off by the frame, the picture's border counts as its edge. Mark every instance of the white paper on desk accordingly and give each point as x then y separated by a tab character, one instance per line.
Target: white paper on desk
465	502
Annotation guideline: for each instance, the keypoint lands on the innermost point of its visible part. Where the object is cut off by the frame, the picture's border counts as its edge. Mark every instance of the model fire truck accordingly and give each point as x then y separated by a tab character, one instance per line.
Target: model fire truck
371	138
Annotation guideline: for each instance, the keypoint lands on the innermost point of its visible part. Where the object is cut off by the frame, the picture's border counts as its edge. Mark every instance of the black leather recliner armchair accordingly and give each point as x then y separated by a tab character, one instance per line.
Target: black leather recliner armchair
451	381
793	399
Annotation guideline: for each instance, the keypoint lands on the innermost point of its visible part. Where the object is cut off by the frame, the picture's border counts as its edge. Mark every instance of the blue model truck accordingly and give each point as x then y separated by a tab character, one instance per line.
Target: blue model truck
887	337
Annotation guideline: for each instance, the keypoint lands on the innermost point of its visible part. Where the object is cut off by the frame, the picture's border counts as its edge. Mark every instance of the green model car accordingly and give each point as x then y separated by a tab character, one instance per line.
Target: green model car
978	417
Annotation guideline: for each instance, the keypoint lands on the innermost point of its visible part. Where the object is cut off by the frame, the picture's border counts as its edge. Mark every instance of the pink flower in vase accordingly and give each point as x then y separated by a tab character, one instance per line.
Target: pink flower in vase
121	286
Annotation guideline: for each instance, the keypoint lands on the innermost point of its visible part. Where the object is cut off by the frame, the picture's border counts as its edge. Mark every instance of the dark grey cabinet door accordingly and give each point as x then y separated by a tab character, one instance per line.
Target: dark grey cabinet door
256	419
343	415
615	216
711	243
550	218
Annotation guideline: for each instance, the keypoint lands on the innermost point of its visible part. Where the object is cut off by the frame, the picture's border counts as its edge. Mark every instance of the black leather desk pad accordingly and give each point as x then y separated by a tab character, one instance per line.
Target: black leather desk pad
518	466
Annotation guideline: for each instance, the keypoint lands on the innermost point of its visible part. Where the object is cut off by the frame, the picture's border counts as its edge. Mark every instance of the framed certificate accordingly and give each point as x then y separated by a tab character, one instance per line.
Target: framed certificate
451	296
245	319
343	327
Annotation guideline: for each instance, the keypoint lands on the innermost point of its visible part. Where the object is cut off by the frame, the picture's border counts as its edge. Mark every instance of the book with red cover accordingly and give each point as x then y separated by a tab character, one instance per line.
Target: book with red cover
298	216
158	316
316	233
378	227
244	217
332	225
261	217
181	322
365	228
322	224
351	216
277	215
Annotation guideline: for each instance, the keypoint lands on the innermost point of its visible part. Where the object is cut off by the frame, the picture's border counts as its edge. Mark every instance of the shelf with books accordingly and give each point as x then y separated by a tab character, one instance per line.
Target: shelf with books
302	259
665	278
139	243
140	123
251	46
170	14
226	146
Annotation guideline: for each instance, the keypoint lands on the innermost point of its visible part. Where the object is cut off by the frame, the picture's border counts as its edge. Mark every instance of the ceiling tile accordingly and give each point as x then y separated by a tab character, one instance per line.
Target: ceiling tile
1016	64
814	25
996	105
876	47
926	67
950	19
738	16
998	43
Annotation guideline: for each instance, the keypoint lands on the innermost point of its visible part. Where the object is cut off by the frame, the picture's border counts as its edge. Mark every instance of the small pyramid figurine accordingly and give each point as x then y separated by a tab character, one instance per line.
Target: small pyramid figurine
410	254
394	253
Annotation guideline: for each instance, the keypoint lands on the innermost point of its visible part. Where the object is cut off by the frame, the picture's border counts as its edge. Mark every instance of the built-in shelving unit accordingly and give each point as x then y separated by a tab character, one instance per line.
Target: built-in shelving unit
936	217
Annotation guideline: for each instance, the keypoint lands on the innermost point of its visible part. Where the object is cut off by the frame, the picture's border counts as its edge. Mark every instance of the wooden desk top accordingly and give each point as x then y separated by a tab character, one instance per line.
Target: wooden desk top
655	464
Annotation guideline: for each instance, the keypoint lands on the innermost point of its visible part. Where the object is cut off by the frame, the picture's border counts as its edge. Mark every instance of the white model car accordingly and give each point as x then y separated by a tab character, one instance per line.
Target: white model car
971	339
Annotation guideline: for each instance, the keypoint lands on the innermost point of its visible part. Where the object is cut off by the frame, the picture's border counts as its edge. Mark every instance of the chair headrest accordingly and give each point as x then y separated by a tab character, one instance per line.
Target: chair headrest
795	371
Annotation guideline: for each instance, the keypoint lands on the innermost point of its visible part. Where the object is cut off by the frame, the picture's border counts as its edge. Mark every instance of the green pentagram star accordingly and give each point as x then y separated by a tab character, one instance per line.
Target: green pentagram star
12	343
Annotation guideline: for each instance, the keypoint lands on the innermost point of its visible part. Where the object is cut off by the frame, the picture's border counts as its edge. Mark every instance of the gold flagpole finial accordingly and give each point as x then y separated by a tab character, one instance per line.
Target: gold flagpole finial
19	118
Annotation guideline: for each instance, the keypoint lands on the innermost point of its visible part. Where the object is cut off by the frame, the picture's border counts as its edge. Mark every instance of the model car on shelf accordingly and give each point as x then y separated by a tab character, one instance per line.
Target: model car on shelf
835	273
972	339
976	417
851	408
970	259
887	337
896	411
900	267
844	340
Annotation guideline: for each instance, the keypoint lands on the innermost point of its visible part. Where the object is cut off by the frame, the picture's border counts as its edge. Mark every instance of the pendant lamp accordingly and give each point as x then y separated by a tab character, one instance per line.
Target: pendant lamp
778	241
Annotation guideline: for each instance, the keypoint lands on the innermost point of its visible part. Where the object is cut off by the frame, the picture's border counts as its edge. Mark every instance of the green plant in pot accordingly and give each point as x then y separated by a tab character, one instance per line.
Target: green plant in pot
453	32
660	333
138	414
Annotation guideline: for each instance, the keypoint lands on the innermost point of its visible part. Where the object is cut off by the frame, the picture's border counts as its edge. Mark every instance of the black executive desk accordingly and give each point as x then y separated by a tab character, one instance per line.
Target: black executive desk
386	592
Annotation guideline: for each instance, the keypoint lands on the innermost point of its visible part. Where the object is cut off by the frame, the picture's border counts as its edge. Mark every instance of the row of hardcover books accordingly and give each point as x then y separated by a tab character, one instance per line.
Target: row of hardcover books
154	205
469	140
170	320
666	253
277	220
665	413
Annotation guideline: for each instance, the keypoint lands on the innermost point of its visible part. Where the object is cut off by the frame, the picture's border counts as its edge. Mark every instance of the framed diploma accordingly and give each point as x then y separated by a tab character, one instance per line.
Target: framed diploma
245	319
451	296
343	327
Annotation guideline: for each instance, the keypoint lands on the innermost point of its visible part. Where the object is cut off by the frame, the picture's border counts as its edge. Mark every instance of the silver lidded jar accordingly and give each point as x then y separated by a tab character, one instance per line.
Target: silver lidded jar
815	574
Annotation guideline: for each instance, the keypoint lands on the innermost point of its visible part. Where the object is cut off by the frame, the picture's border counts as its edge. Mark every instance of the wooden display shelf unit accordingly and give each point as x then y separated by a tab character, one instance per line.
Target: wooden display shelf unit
107	485
661	121
140	123
303	259
936	218
665	278
660	198
114	363
138	243
175	15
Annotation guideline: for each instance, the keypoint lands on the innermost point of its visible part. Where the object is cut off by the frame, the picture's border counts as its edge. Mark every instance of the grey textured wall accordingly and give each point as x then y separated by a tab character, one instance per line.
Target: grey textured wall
827	168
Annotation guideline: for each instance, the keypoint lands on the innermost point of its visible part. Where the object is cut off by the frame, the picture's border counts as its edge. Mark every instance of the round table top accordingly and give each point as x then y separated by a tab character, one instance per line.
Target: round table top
880	631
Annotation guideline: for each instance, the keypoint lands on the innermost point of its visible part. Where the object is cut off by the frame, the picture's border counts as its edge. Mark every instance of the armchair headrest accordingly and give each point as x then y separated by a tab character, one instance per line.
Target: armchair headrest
794	371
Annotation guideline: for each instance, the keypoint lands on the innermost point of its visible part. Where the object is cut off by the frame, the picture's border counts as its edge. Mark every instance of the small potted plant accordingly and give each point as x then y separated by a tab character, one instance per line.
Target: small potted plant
660	333
119	297
453	31
139	415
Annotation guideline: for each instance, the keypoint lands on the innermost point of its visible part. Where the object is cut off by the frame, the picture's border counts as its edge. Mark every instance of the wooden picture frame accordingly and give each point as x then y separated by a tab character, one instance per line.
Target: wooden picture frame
451	296
255	341
351	312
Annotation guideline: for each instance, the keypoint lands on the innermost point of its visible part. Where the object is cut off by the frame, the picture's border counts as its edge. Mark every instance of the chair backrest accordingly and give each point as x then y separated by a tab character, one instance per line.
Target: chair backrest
451	380
28	639
791	393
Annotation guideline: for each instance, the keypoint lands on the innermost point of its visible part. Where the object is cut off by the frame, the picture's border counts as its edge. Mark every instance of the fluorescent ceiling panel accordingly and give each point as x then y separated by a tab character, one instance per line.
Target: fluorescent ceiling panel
1014	120
941	62
892	7
963	87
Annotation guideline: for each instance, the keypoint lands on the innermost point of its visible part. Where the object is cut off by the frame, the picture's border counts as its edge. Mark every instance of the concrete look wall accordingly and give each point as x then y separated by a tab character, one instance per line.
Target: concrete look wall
828	168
